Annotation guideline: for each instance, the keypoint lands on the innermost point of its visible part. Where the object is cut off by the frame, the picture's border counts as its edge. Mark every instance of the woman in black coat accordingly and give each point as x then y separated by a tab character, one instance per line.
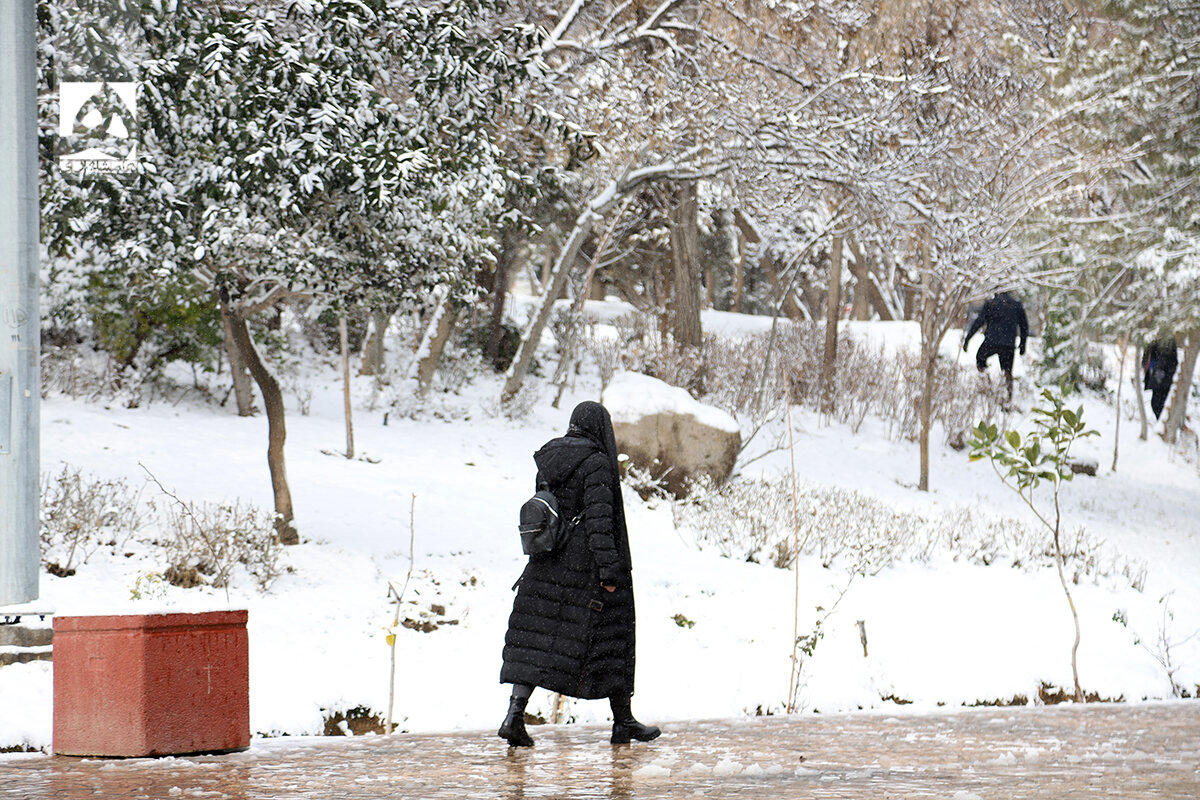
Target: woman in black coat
572	625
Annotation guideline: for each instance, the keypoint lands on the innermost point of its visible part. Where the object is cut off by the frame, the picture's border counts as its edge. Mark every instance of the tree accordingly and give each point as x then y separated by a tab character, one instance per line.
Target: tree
1131	72
833	308
1043	456
685	259
993	157
338	150
1183	387
628	181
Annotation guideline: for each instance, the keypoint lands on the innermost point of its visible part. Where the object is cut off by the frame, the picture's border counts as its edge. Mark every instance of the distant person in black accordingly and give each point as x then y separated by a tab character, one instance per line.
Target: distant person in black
1002	319
1158	366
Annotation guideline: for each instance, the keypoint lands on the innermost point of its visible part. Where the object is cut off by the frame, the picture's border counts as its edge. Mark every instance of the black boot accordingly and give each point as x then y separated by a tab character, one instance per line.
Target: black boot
625	727
513	727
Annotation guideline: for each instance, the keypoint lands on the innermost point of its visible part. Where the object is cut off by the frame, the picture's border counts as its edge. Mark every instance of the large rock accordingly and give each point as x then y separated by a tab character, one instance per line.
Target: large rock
664	430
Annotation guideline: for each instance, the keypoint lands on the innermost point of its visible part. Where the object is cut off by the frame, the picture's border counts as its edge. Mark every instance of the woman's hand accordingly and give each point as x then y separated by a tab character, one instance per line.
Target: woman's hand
608	588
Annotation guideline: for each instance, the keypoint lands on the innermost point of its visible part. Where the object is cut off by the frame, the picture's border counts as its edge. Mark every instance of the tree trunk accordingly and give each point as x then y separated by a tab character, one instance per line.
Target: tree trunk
1124	346
710	287
1059	560
791	307
929	351
685	257
285	529
884	295
344	341
569	356
1062	578
433	342
812	302
558	280
910	296
499	295
833	307
242	390
862	283
928	360
878	300
548	259
373	348
1141	401
1183	387
739	274
666	300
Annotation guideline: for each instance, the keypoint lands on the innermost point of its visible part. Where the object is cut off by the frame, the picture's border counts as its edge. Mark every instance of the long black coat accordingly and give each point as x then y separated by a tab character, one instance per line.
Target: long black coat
566	633
1003	319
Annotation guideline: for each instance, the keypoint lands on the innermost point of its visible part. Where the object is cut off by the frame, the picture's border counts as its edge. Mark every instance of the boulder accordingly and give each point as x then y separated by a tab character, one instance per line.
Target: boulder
665	431
1084	466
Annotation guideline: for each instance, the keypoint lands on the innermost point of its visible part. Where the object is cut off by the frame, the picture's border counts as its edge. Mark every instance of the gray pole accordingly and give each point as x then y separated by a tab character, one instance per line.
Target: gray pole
19	325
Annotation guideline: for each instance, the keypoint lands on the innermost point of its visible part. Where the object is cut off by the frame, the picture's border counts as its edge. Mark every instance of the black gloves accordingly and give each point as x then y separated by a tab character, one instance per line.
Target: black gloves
1022	348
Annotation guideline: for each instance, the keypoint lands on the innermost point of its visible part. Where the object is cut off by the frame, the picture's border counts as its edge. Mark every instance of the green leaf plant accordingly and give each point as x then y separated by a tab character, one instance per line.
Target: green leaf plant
1041	457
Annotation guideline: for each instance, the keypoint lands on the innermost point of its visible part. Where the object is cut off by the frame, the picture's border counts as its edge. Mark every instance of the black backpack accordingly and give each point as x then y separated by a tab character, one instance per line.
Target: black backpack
543	530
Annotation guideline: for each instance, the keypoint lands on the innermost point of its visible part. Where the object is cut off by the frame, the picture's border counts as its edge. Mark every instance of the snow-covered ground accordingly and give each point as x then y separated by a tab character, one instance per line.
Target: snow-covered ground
943	632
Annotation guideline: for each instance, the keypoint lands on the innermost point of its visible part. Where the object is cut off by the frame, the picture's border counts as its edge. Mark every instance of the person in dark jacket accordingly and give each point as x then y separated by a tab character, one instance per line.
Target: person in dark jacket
1159	363
572	625
1003	320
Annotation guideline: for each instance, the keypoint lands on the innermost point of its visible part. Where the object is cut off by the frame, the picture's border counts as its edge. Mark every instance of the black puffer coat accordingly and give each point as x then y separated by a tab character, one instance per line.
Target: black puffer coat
566	632
1003	319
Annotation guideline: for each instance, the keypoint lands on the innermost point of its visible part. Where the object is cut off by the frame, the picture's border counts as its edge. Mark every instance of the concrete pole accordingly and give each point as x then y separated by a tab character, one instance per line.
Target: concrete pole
19	325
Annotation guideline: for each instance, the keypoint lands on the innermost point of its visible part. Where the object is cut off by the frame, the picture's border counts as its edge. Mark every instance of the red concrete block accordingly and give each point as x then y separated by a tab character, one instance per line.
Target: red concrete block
151	684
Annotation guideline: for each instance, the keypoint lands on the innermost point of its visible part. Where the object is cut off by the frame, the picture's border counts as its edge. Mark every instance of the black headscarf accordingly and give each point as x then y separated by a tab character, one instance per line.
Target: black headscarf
592	420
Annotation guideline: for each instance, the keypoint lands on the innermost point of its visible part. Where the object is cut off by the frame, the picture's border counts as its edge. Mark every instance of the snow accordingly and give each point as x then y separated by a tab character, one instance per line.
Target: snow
945	631
651	772
729	325
25	698
34	608
631	396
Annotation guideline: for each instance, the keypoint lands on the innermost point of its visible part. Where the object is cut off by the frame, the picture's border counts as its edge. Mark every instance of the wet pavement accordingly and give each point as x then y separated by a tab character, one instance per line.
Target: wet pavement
1139	751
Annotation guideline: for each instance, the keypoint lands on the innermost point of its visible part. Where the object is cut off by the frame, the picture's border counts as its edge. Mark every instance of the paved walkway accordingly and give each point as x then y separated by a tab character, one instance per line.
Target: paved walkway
1062	753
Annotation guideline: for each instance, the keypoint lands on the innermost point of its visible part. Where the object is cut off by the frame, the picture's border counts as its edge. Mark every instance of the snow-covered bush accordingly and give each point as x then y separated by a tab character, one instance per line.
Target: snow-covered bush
606	355
190	544
141	326
643	481
868	381
752	520
477	332
78	372
82	514
209	540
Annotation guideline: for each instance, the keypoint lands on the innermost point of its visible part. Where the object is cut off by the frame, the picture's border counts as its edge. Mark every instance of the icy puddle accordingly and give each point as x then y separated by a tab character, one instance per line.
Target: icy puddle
1090	752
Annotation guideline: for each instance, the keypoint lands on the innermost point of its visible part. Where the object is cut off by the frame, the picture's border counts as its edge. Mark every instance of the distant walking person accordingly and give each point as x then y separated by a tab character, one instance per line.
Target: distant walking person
572	625
1002	319
1159	363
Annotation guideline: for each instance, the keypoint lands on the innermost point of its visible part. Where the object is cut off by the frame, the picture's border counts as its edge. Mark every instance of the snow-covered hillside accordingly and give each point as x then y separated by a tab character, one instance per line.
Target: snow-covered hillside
940	631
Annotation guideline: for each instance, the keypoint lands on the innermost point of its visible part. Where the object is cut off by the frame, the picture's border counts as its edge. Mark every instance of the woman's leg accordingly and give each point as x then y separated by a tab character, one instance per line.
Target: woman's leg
513	727
625	727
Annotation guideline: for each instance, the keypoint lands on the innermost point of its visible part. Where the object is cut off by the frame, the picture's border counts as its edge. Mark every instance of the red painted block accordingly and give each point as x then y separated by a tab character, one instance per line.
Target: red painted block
151	684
